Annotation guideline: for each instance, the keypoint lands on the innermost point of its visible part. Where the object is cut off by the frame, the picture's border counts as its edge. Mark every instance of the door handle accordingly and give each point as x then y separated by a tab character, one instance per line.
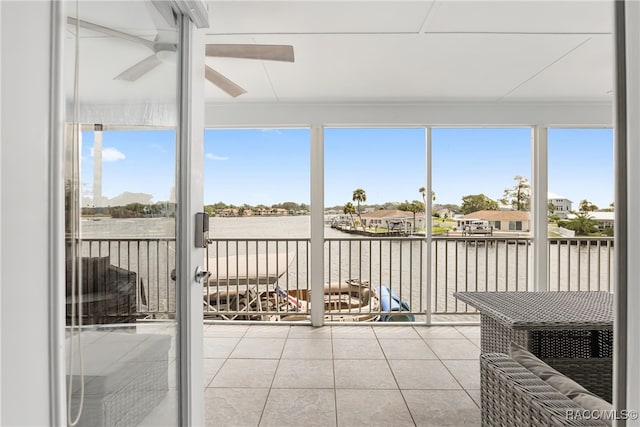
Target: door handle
201	275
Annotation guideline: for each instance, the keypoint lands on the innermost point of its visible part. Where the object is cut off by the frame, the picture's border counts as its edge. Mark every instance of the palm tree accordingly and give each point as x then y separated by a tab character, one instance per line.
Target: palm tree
359	196
582	224
413	207
349	209
423	191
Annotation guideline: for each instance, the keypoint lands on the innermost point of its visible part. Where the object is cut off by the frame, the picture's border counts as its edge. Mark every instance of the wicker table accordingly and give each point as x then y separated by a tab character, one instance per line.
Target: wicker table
571	331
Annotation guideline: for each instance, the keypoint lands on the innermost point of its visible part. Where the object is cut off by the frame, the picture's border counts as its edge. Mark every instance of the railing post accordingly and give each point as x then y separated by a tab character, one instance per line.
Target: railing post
539	208
317	225
428	232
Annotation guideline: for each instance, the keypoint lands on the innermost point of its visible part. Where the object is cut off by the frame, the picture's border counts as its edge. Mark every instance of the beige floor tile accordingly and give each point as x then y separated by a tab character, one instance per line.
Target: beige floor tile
309	332
344	348
219	348
363	374
372	408
308	348
304	374
422	375
296	375
264	331
438	332
454	349
251	373
467	372
219	331
406	349
352	332
475	395
302	407
469	331
211	368
442	408
258	348
229	407
396	332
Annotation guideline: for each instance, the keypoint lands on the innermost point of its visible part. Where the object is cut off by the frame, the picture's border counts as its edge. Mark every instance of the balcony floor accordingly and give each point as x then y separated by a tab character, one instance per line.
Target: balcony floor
280	375
341	375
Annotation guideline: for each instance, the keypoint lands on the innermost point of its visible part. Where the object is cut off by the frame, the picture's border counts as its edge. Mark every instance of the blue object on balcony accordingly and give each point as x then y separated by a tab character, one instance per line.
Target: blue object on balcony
389	302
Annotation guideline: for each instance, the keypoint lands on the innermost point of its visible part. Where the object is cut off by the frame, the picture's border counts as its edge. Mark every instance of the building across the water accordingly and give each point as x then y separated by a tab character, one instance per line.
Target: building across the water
561	205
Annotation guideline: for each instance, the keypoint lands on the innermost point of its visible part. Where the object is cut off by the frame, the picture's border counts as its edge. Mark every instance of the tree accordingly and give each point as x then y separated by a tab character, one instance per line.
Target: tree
477	202
414	207
423	191
349	209
586	206
518	196
582	224
359	195
219	206
551	208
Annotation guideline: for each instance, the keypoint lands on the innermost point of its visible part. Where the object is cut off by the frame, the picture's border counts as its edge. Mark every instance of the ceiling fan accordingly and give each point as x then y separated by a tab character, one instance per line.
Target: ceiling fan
164	45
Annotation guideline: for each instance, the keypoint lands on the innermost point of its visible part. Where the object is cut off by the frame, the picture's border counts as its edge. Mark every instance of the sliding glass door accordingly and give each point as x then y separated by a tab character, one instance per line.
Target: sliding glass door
126	247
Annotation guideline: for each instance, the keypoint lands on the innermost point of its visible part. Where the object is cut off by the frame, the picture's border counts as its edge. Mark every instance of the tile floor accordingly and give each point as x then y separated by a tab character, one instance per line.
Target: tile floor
347	376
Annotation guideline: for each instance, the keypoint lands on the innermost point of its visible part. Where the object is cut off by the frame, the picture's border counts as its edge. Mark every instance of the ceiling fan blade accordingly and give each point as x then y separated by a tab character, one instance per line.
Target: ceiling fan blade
222	82
252	51
141	68
109	31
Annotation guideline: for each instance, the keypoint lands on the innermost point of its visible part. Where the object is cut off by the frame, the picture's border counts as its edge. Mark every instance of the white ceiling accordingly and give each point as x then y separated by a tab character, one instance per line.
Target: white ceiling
419	51
369	52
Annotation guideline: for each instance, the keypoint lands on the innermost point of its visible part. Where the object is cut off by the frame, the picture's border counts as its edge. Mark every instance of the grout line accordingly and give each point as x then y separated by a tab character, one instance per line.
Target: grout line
266	400
394	378
333	372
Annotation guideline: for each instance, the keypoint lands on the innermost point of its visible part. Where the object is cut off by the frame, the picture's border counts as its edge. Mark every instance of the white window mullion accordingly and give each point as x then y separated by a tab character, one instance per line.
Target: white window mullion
317	225
539	208
428	206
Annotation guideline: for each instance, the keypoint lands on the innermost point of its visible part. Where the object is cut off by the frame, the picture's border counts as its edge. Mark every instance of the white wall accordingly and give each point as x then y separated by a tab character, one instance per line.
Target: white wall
24	369
250	114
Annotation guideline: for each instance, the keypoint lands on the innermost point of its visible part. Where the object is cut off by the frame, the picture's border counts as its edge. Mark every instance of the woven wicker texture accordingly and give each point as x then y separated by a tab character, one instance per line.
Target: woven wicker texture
556	327
526	310
513	396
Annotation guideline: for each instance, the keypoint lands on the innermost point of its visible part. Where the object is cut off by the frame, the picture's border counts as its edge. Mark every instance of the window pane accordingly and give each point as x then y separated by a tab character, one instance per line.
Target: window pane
257	185
481	180
581	209
374	208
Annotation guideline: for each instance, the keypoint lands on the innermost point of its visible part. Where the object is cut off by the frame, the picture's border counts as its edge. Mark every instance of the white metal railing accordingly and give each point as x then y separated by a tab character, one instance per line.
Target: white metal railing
268	279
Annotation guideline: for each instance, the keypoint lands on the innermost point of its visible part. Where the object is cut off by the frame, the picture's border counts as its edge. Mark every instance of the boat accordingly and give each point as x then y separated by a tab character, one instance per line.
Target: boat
260	269
393	307
238	285
351	301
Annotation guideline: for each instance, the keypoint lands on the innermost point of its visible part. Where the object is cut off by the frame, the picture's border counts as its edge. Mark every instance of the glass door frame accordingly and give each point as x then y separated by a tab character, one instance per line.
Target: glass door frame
190	186
192	16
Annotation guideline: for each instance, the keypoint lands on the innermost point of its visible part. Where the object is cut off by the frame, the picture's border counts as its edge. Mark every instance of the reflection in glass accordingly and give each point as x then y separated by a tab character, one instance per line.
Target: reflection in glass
120	214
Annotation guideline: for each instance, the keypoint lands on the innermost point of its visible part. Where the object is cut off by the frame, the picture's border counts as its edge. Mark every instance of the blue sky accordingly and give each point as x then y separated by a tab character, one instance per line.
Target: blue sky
141	161
270	166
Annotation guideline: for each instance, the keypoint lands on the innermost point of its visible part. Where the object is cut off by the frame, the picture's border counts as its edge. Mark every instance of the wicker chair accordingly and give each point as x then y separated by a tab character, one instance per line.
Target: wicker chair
512	396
